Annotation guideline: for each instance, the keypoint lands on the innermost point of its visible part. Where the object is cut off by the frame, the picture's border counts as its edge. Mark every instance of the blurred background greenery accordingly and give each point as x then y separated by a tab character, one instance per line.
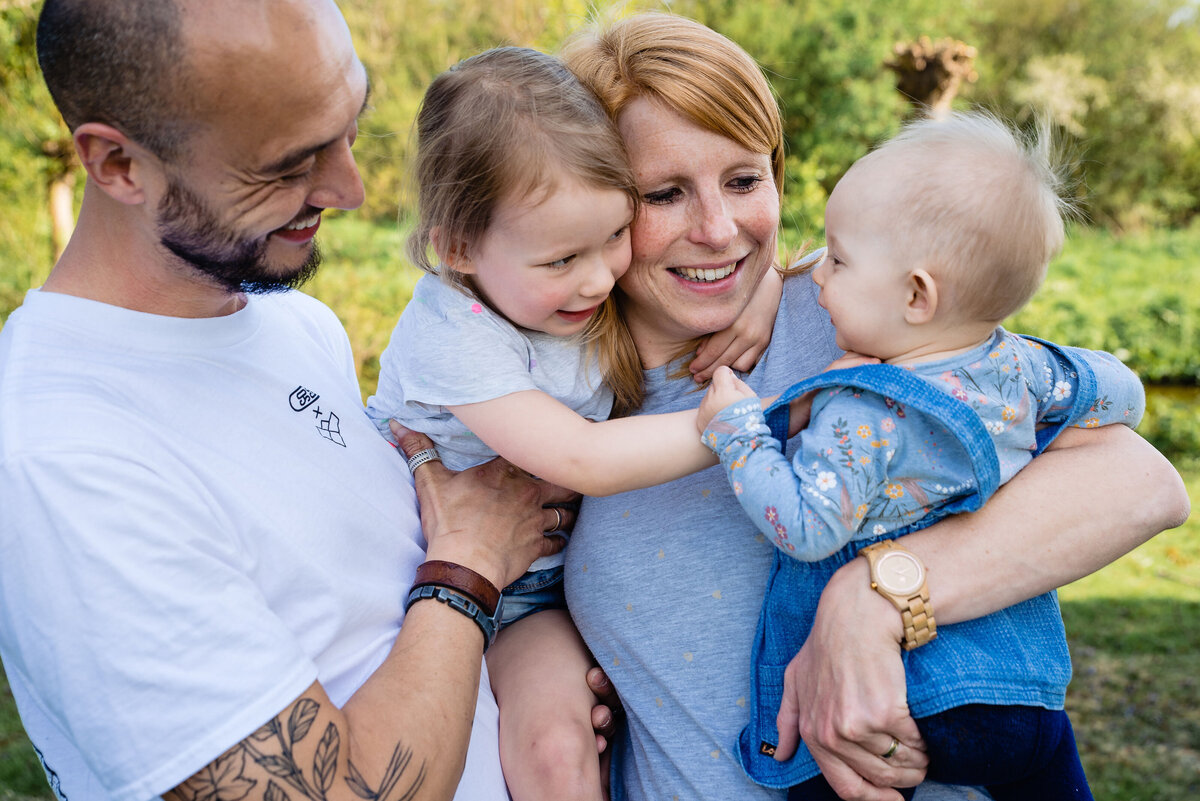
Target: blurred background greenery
1119	79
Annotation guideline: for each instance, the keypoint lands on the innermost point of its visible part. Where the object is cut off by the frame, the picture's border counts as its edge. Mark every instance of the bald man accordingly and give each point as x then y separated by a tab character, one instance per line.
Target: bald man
206	550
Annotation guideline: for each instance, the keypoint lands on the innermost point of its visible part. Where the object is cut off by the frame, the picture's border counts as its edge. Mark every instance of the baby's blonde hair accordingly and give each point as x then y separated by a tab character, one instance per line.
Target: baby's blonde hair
980	208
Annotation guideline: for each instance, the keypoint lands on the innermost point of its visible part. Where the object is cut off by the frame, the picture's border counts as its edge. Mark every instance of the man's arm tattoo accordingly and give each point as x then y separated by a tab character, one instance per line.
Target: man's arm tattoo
272	748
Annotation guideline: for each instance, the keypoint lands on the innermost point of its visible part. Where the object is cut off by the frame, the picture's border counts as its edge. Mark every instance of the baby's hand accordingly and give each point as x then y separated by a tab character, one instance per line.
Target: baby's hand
726	389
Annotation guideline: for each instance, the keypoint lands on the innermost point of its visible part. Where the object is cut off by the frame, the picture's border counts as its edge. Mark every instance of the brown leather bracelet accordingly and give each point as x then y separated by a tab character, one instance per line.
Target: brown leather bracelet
461	579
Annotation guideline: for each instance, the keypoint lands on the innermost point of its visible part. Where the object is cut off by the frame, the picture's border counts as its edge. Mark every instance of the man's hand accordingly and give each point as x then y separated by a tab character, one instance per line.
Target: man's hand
726	389
492	518
845	694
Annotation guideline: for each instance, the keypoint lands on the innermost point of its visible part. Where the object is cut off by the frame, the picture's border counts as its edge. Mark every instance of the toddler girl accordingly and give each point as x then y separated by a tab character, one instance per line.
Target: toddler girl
931	241
512	346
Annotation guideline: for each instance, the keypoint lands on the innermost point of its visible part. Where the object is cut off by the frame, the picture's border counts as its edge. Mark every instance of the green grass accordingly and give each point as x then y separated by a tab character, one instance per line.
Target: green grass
21	775
1134	632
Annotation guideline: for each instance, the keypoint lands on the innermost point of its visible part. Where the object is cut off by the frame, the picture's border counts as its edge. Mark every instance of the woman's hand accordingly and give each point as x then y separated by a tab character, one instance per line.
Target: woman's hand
845	694
491	518
740	345
726	389
604	719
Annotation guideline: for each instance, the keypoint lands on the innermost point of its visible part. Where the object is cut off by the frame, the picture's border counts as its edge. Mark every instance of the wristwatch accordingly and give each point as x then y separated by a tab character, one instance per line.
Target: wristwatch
463	590
898	575
488	623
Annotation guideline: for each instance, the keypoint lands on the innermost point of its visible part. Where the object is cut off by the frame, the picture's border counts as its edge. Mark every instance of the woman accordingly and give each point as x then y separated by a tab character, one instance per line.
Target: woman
665	584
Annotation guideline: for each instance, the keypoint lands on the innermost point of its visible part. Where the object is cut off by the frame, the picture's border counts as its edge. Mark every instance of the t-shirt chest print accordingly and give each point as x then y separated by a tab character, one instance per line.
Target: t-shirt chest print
328	424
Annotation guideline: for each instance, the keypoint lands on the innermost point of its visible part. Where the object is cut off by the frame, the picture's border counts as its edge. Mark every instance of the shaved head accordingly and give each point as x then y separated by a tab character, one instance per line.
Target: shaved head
118	62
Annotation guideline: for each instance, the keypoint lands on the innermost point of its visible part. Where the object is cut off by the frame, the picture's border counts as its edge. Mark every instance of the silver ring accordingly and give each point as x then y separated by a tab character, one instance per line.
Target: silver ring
558	519
888	754
421	457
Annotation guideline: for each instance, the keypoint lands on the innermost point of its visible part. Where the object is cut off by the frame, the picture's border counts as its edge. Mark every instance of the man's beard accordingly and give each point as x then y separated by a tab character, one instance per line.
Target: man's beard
188	229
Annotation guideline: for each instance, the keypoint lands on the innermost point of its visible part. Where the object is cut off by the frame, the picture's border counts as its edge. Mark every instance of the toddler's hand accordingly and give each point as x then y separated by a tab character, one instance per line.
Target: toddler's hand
726	389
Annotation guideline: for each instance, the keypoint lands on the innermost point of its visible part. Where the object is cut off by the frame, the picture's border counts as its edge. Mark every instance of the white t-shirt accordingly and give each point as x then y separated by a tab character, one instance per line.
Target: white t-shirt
198	521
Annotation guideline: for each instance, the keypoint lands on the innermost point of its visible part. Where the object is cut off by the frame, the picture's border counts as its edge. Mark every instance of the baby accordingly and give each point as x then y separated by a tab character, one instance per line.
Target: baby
931	241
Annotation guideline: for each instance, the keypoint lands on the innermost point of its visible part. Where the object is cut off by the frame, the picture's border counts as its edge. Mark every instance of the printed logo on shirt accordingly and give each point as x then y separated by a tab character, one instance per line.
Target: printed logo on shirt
302	398
330	429
328	425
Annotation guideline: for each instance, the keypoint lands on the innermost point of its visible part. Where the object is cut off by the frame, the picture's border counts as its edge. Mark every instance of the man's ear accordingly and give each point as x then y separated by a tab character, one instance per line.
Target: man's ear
922	302
113	162
453	254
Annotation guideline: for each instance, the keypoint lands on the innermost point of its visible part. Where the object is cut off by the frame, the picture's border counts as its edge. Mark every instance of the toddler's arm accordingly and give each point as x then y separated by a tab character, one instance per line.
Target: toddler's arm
538	433
726	389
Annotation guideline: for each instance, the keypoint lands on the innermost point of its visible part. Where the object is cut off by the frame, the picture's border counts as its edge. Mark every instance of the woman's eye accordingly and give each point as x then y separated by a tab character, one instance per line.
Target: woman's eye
745	183
662	196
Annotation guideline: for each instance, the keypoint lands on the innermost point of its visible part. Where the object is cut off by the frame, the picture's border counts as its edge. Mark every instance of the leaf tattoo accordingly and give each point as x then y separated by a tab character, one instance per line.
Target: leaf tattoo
220	780
224	779
275	793
301	719
325	760
401	757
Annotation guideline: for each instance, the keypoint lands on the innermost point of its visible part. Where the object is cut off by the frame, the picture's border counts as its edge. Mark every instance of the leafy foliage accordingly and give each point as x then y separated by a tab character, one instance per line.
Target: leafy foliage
1117	76
1135	296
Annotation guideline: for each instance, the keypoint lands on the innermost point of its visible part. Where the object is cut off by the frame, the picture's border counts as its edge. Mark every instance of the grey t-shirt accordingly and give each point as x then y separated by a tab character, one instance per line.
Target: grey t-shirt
449	348
665	585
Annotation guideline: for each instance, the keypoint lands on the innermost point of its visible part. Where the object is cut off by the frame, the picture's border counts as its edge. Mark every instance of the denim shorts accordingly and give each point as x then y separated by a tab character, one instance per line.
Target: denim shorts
533	592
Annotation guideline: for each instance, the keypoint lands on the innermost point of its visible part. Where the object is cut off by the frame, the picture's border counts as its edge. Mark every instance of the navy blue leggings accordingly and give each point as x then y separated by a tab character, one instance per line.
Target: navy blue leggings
1019	753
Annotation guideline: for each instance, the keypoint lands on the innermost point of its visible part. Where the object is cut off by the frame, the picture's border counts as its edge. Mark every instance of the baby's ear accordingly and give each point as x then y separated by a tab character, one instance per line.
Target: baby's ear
452	253
922	298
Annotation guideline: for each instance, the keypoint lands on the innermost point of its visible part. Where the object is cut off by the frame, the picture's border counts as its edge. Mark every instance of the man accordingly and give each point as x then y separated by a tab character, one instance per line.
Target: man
205	547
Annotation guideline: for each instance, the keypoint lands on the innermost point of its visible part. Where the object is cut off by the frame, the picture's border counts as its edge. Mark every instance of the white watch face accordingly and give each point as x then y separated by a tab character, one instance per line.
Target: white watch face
899	573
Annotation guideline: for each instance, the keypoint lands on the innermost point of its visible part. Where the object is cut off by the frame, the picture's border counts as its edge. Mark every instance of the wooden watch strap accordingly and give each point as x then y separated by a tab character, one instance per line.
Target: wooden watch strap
461	579
919	624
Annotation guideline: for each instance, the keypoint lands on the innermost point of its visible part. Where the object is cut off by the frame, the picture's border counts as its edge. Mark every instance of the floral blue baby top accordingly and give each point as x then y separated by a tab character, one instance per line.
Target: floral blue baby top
933	439
868	465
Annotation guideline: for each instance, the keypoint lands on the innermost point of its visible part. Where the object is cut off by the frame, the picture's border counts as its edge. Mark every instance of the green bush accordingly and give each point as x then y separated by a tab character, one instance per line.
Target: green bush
1137	297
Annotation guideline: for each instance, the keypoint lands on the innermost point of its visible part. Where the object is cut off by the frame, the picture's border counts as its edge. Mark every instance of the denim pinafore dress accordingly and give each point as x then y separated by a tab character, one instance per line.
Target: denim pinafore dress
1016	656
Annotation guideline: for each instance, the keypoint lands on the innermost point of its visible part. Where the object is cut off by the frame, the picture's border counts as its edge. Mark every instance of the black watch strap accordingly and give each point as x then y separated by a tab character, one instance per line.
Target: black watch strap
461	603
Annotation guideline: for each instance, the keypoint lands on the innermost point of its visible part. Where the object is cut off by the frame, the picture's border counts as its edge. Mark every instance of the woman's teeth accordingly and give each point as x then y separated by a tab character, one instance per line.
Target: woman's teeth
693	274
300	225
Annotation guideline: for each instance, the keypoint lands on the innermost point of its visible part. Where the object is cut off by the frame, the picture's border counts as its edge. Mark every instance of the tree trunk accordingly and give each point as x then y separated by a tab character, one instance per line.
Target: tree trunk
930	73
62	211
